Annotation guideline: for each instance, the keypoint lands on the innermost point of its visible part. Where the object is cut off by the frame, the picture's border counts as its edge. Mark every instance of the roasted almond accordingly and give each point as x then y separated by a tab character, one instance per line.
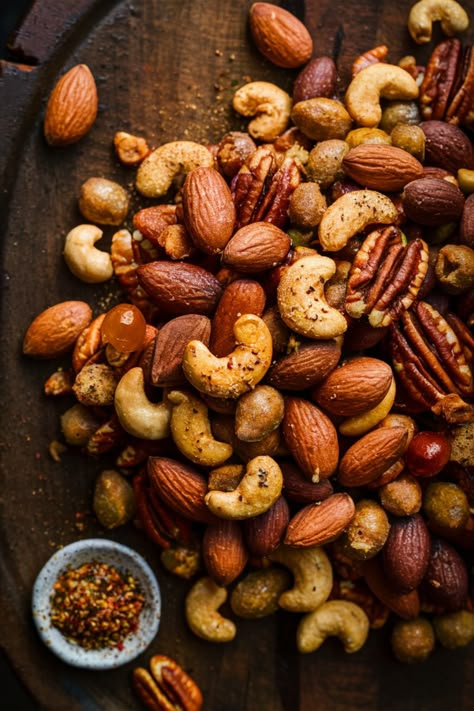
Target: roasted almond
242	296
311	438
369	457
181	487
406	552
405	605
296	486
279	35
354	387
320	523
179	287
54	331
446	581
223	551
170	342
256	247
152	221
72	107
306	366
447	146
208	209
263	533
381	166
432	201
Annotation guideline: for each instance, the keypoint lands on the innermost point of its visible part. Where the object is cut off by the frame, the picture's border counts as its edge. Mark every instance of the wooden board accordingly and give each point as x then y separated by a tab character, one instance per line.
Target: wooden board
166	70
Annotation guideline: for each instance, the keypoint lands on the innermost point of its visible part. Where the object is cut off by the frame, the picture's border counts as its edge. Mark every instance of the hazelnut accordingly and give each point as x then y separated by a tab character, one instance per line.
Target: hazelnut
411	138
367	533
401	497
399	112
397	420
454	629
454	268
446	505
412	640
78	424
324	164
307	205
103	201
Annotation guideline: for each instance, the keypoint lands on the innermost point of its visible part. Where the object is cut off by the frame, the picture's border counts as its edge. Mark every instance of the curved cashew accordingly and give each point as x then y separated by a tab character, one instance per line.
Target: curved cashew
256	492
350	214
453	19
191	430
312	573
339	618
83	259
201	606
360	424
270	105
236	373
137	414
157	172
375	82
302	301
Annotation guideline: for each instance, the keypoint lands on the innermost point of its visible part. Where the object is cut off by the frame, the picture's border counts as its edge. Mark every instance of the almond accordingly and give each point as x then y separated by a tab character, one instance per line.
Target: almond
208	209
432	201
54	331
317	78
405	605
296	487
72	107
354	387
279	35
447	146
311	438
242	296
381	167
446	581
170	342
406	552
372	455
224	552
306	366
264	533
320	523
181	487
179	287
256	247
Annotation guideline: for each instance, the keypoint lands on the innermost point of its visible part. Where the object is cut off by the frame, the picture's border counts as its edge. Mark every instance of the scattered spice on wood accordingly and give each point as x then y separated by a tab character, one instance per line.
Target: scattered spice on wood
96	606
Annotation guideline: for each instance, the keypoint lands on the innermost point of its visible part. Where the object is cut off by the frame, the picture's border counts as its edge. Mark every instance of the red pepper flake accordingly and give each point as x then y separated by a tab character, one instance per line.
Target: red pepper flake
96	606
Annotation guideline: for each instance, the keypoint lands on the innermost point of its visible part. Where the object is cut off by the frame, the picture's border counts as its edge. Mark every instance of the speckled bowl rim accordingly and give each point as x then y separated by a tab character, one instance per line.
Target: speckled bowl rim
124	559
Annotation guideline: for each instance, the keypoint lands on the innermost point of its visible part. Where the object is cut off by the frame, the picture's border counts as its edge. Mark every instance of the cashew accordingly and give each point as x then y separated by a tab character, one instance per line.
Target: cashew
191	430
270	105
350	214
453	19
165	164
302	301
360	424
375	82
256	492
339	618
201	605
312	573
83	259
137	414
236	373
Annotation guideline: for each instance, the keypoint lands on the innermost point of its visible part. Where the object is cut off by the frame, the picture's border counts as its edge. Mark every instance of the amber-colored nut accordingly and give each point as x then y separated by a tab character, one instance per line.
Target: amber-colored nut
399	112
78	424
103	201
114	500
367	135
321	119
307	205
446	505
411	138
401	497
130	149
454	629
257	594
454	268
366	534
413	640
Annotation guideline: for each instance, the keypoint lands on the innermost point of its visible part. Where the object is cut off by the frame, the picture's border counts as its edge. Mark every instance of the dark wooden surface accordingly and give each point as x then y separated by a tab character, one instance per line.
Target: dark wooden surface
166	70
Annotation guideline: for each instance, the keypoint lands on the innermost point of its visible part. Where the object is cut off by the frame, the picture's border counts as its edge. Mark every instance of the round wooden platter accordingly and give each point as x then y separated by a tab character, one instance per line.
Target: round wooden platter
165	70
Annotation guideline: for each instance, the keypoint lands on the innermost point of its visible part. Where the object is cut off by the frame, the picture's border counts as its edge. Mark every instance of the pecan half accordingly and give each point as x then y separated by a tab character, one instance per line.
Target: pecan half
261	190
386	276
167	687
127	253
439	79
429	361
461	107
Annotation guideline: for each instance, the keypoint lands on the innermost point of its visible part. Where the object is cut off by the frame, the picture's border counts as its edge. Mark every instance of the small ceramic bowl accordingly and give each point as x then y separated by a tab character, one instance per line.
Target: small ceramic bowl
123	559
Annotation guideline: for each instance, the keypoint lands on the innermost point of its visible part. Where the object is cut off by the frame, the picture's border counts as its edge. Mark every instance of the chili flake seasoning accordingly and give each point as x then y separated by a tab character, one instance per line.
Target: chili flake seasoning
96	606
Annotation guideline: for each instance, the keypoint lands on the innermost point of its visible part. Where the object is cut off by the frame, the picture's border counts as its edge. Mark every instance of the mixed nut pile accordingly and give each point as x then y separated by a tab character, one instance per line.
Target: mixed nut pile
287	391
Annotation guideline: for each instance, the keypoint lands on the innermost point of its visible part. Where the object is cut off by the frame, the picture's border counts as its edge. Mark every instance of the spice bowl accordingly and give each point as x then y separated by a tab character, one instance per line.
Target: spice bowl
117	559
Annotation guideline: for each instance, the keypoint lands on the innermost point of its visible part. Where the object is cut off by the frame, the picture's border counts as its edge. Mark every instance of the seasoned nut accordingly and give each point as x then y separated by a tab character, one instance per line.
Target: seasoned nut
103	201
224	551
424	13
270	105
446	505
321	119
84	260
307	205
257	594
399	112
114	501
130	150
410	138
454	629
233	150
401	497
202	612
412	640
95	385
367	532
359	136
168	164
78	424
446	580
258	413
312	577
324	164
454	268
340	618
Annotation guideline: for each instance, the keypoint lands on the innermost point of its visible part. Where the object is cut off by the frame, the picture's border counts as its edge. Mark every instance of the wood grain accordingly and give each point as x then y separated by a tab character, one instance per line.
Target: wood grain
166	70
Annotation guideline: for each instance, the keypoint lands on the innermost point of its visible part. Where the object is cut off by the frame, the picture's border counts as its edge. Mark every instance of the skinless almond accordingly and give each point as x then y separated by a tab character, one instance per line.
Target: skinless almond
320	523
372	455
54	331
208	208
256	247
279	35
224	552
242	296
72	107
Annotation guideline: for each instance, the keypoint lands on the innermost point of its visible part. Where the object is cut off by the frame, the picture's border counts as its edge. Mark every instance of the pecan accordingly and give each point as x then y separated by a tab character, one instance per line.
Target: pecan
429	361
59	383
127	253
167	687
372	56
261	191
357	591
386	276
461	106
88	347
439	79
108	436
